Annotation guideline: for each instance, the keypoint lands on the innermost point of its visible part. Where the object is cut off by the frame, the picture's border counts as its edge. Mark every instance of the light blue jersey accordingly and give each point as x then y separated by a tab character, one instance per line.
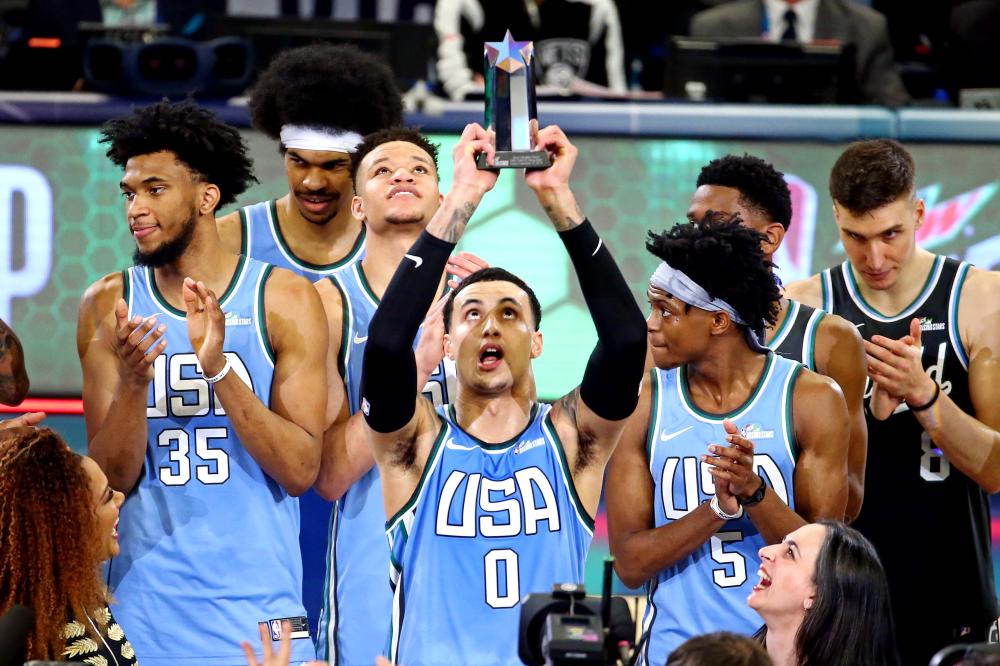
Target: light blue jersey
707	590
357	598
209	542
263	241
487	525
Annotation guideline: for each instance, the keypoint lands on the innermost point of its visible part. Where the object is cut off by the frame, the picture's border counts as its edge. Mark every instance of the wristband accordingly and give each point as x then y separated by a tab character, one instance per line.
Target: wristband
222	373
714	506
757	496
929	403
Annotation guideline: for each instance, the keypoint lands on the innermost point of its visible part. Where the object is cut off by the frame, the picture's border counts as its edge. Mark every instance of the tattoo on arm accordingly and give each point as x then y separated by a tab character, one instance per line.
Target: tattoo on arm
459	218
564	223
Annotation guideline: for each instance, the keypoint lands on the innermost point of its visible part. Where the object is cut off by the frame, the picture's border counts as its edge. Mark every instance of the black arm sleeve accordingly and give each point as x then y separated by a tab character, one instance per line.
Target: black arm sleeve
610	386
389	369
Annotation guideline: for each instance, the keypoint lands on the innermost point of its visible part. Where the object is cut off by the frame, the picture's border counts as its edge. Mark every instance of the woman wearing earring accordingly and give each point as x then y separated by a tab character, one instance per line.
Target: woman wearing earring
824	600
58	522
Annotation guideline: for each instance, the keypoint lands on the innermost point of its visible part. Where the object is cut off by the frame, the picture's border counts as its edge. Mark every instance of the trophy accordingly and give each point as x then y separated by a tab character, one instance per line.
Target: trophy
510	105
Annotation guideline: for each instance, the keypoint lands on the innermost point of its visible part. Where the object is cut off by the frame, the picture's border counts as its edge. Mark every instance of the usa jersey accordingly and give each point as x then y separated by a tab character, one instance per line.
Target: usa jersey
262	240
795	337
209	542
707	590
357	600
486	525
948	519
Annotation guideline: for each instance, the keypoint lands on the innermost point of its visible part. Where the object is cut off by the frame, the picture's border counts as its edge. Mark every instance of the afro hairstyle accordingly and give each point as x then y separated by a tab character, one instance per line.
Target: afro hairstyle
762	188
323	85
725	258
388	135
211	149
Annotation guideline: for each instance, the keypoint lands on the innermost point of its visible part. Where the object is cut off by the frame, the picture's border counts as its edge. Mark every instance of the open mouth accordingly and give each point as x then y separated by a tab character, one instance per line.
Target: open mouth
402	192
490	356
114	530
764	582
316	203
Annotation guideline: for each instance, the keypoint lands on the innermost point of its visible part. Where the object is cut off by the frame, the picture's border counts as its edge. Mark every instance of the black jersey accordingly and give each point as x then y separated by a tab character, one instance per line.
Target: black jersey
929	522
795	337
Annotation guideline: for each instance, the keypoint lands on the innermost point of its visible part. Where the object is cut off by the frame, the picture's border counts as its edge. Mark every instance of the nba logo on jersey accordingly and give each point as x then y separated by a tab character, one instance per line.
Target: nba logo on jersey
275	630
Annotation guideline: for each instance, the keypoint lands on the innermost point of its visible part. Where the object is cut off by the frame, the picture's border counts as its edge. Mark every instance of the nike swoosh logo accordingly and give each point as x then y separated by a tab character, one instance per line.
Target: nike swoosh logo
664	437
859	325
458	447
416	260
358	339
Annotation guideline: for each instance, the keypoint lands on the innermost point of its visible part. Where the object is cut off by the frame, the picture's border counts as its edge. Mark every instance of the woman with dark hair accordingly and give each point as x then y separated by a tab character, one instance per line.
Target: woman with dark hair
58	522
824	600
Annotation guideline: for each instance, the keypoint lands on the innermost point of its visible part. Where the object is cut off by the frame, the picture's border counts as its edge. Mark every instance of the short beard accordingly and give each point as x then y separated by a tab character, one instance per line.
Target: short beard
403	221
170	251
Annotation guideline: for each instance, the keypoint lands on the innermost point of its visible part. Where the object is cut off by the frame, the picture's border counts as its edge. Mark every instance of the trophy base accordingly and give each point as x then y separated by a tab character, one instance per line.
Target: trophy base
516	159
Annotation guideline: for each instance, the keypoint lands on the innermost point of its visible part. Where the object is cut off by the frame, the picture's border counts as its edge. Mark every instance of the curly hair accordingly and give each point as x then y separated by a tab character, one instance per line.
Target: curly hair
212	150
376	139
323	85
871	174
50	559
725	258
762	188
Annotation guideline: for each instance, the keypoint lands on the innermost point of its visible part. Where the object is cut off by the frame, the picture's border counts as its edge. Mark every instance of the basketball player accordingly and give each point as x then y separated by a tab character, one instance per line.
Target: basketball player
932	332
731	447
207	411
317	101
492	497
396	180
827	344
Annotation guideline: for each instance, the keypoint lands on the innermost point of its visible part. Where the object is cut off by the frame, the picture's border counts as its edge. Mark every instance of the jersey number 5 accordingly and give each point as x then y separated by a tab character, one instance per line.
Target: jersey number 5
730	560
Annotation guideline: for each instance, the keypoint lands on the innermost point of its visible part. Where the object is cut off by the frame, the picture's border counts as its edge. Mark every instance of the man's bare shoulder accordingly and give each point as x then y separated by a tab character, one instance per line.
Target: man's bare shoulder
100	297
230	228
808	291
979	310
834	330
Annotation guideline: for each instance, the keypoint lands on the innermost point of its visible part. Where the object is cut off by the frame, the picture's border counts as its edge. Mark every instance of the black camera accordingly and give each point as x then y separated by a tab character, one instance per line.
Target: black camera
568	627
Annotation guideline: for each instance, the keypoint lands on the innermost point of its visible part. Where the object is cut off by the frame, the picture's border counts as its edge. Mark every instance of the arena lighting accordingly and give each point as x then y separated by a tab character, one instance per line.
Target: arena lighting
44	43
72	406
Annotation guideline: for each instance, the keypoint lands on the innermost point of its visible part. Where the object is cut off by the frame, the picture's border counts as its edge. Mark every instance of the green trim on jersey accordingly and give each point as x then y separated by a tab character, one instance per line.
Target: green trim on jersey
345	325
688	402
351	255
367	288
812	328
502	445
953	300
550	429
654	412
162	301
431	461
785	326
793	445
262	313
127	289
855	292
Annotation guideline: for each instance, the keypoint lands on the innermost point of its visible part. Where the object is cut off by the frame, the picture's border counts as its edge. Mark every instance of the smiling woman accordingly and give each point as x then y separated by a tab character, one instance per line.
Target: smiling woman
814	586
54	542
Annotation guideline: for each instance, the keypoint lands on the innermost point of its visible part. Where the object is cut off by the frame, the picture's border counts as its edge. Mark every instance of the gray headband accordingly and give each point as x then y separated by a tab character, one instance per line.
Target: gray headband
680	286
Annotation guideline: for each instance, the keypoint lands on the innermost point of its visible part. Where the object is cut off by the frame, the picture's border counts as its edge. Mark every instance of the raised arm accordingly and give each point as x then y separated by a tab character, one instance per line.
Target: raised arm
641	549
284	439
13	376
970	442
395	413
595	413
840	355
116	354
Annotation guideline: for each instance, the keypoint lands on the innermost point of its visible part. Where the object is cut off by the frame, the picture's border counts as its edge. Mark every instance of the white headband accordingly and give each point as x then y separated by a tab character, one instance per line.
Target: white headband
319	138
680	286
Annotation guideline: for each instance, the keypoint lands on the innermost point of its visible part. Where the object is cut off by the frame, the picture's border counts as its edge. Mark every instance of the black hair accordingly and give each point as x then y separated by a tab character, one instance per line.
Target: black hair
850	622
719	648
871	174
213	151
762	188
725	258
387	135
493	274
325	85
